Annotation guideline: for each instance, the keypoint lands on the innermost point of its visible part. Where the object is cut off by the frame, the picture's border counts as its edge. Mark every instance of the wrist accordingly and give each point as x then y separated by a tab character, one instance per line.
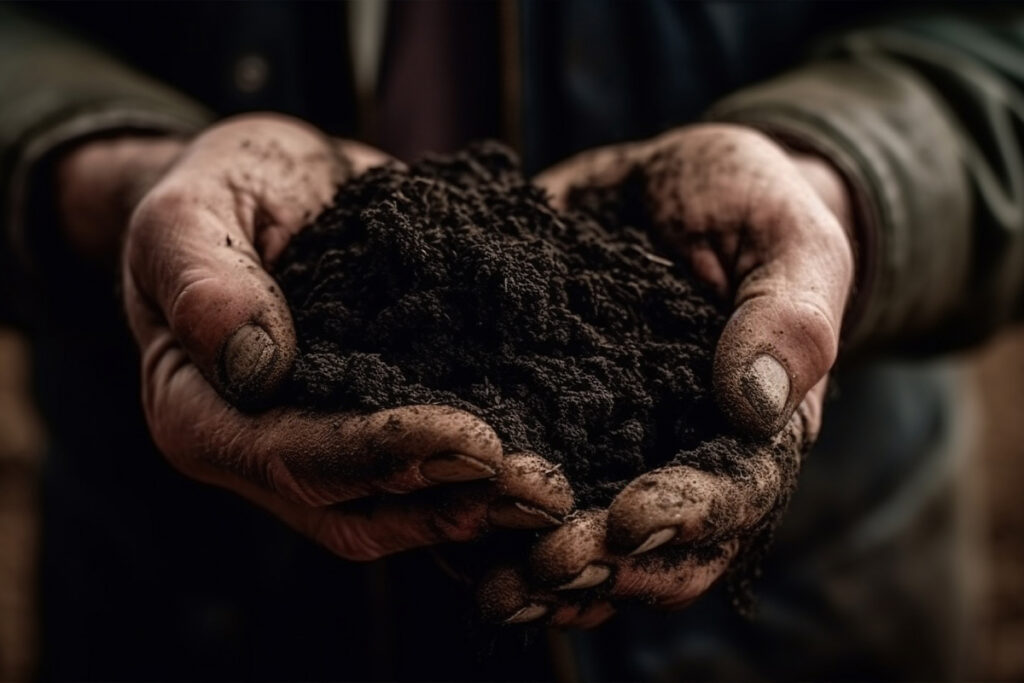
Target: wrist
98	184
828	183
835	190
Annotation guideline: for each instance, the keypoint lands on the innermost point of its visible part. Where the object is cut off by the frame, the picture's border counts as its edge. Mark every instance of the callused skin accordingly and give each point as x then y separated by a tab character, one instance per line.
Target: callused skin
770	230
201	222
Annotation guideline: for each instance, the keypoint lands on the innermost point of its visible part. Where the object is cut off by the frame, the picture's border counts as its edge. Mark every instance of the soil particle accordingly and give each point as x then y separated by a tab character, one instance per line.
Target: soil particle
454	282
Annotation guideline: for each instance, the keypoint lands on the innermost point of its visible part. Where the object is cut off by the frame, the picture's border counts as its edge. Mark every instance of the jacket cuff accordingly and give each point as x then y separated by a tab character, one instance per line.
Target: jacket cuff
878	125
40	144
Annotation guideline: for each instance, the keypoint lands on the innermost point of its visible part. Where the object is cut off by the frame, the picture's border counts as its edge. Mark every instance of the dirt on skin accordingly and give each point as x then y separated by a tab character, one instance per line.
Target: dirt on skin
454	282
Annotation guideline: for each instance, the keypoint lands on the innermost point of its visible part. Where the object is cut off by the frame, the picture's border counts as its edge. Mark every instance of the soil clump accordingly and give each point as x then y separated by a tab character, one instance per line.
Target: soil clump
454	282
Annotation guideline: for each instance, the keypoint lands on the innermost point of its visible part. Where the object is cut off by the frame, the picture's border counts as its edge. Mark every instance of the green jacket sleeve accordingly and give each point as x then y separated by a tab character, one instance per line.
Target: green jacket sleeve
55	90
924	117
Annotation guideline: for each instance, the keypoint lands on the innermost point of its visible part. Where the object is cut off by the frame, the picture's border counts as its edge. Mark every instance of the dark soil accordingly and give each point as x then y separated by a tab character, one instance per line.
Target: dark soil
456	283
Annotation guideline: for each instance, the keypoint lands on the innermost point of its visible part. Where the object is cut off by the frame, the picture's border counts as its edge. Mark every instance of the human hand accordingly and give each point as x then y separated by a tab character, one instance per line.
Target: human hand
207	221
663	541
770	230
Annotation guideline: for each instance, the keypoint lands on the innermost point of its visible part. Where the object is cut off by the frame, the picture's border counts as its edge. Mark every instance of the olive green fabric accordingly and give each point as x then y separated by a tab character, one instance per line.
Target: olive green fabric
924	119
54	89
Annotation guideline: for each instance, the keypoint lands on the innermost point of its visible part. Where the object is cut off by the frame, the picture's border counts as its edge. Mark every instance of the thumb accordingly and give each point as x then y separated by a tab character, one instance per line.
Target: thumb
199	275
783	335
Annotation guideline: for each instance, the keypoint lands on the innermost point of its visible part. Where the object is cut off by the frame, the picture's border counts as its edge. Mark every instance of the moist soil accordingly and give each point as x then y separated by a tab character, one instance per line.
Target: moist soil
454	282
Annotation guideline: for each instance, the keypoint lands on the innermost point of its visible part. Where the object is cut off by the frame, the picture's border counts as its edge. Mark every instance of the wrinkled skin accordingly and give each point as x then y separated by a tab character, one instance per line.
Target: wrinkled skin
771	231
201	224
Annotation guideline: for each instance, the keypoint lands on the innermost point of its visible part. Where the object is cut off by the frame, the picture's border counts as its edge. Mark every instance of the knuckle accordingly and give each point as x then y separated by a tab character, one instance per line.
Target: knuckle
280	478
271	474
192	296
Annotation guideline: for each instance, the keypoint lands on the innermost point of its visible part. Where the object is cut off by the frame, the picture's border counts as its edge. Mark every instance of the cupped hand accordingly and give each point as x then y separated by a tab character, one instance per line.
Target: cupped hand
663	541
769	229
216	333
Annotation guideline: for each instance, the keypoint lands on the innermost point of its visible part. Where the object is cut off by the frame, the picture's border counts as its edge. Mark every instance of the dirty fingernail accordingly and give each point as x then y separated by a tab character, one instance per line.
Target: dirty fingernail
767	385
658	538
455	467
248	354
528	613
592	575
513	514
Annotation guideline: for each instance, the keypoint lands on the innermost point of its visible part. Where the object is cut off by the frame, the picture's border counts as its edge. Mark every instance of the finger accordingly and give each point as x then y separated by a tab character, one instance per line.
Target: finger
795	273
681	504
377	527
192	256
310	458
668	582
200	276
373	528
574	556
505	597
531	493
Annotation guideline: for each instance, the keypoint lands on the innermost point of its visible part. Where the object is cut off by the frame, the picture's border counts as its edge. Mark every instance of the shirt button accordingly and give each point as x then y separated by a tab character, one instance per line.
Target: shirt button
251	73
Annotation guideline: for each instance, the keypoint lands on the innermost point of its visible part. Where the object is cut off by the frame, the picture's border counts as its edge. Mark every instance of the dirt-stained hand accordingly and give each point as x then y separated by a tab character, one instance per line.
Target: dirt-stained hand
216	333
770	230
767	228
664	540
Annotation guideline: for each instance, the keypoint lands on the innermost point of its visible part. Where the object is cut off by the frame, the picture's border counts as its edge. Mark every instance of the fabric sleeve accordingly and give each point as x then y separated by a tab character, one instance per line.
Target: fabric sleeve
924	118
55	90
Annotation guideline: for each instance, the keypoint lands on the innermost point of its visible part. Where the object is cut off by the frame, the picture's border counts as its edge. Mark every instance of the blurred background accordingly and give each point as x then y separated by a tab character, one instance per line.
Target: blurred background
995	467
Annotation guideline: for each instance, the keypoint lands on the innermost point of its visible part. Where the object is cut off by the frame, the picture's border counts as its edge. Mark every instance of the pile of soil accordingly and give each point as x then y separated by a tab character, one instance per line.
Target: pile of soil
454	282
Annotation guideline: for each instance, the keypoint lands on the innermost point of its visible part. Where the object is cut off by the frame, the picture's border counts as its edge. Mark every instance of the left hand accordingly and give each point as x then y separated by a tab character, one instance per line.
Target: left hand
771	230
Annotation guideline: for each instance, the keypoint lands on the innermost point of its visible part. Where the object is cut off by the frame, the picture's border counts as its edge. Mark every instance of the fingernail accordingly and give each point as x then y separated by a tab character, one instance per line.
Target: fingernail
767	385
248	354
512	514
528	613
454	467
658	538
592	575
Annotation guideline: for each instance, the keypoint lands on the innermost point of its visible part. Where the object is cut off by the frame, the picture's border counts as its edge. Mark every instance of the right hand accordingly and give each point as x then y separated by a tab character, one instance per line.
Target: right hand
215	333
771	230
